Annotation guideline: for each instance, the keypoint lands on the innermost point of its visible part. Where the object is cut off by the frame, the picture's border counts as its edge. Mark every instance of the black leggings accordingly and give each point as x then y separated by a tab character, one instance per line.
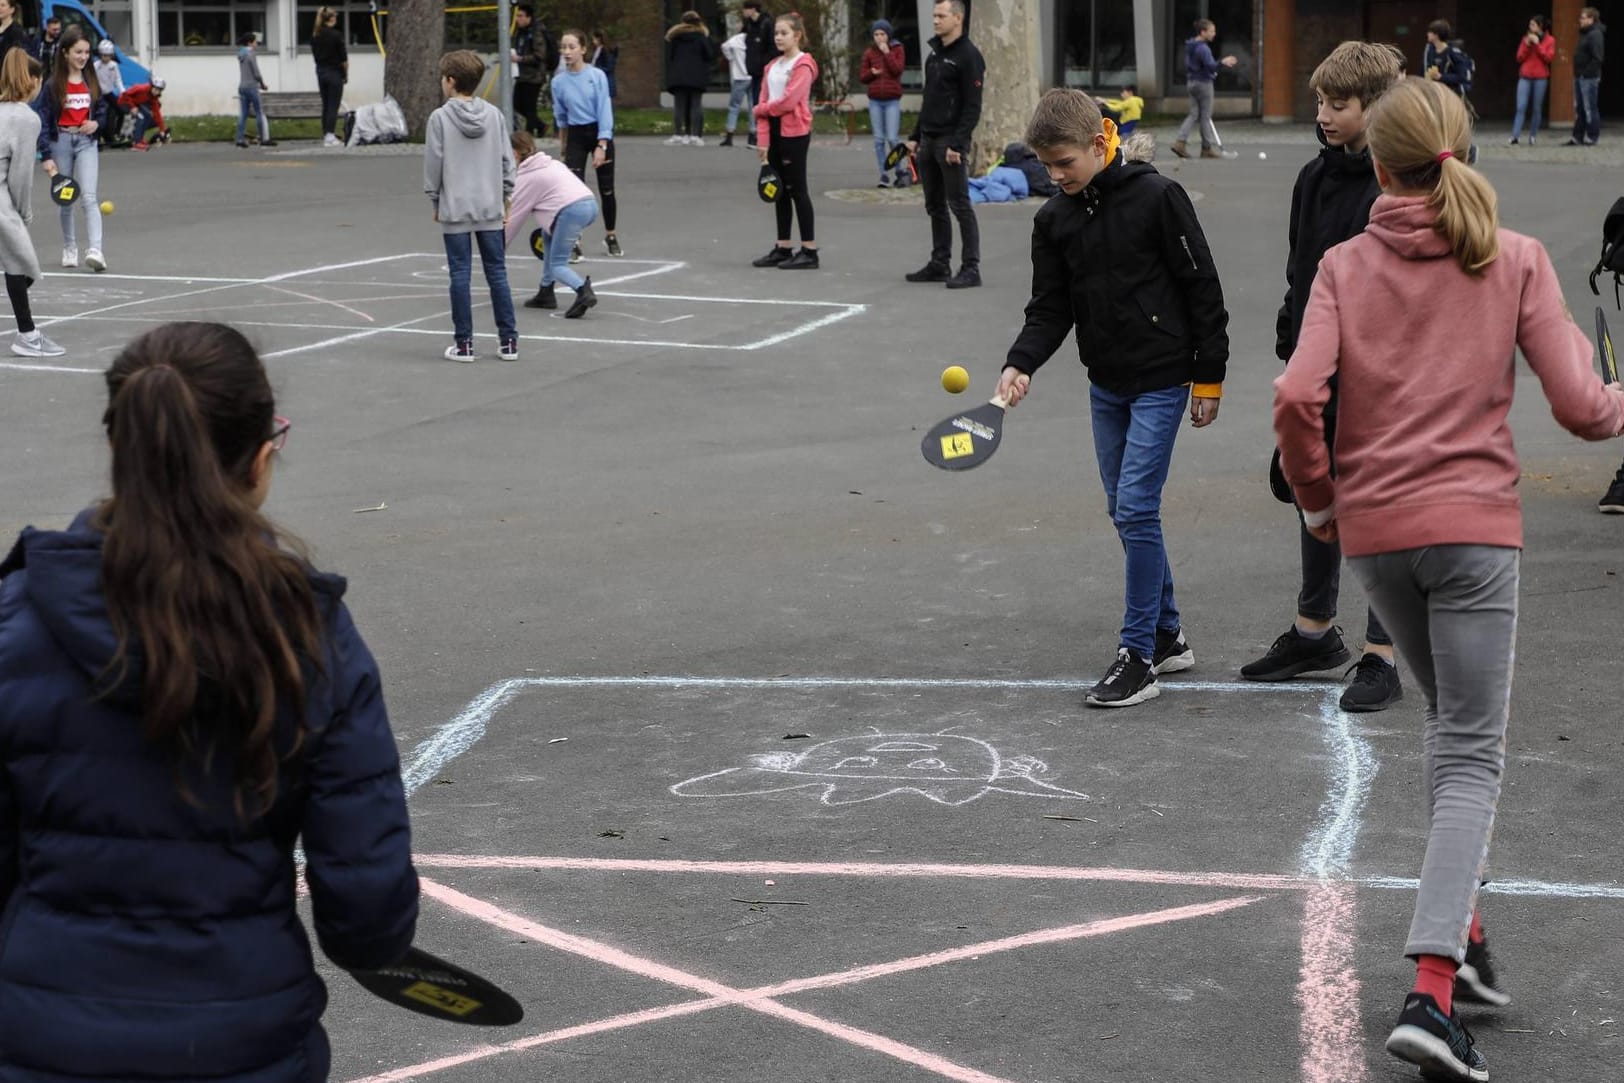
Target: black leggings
688	111
330	81
787	155
17	290
580	140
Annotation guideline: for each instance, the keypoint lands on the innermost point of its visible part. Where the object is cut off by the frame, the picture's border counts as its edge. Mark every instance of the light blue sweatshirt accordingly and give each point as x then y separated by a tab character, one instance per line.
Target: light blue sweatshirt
582	97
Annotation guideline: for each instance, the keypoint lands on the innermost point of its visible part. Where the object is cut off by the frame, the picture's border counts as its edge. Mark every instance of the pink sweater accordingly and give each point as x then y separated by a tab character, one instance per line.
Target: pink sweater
543	187
1424	359
795	108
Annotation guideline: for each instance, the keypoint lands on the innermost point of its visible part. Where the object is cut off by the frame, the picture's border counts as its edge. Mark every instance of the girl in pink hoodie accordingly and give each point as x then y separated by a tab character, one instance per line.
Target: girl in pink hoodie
562	206
1424	500
783	136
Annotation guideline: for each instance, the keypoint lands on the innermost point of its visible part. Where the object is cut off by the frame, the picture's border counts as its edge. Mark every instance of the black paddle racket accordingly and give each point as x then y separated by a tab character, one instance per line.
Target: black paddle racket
768	185
1604	343
965	440
433	987
64	190
895	155
538	243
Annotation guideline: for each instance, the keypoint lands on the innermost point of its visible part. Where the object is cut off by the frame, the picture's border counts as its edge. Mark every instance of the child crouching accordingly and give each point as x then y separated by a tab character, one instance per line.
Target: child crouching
563	207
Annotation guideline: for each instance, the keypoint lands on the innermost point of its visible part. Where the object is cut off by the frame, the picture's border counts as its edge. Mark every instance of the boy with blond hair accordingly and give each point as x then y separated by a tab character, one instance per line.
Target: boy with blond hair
1330	204
468	173
1120	256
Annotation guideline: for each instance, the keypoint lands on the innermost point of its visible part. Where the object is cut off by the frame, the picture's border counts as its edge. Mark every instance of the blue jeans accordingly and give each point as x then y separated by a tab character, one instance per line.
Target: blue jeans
1586	110
567	229
738	98
76	156
885	118
248	100
459	259
1133	444
1525	87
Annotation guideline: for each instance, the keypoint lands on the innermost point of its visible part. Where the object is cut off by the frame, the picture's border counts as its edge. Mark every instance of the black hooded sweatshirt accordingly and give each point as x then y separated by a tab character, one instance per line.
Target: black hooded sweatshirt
1329	204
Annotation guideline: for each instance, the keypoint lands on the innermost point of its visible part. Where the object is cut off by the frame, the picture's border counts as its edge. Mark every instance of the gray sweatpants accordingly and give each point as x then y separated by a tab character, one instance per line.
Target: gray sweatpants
1452	611
1200	113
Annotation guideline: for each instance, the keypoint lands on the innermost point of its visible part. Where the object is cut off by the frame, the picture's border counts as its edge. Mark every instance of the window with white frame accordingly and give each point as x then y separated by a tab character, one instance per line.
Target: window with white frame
355	22
210	24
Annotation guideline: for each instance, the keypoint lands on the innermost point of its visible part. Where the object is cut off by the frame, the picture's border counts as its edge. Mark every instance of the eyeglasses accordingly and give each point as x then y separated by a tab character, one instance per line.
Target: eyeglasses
279	432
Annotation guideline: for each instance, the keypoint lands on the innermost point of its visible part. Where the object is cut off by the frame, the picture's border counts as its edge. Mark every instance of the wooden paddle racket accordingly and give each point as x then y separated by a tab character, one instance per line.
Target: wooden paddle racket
430	986
966	440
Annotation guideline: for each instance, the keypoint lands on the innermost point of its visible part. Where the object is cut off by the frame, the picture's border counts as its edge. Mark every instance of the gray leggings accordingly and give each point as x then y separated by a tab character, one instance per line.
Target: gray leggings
1200	112
1452	611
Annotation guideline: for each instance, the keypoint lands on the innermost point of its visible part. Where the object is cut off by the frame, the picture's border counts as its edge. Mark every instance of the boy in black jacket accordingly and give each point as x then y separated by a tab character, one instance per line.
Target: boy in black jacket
1330	204
1120	255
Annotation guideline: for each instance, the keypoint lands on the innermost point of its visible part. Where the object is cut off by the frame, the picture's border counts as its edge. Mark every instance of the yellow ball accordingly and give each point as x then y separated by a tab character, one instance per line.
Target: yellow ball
107	206
955	379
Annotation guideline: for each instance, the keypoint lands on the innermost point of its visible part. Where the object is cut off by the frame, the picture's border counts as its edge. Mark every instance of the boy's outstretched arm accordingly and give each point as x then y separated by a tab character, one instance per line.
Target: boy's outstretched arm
1185	250
1049	316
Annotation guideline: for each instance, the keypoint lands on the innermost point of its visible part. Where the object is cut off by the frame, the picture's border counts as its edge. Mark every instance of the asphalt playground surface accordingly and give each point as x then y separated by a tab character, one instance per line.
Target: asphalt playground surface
743	745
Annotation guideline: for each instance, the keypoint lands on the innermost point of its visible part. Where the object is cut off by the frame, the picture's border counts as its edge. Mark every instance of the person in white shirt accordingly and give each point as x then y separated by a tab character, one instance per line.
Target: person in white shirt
738	98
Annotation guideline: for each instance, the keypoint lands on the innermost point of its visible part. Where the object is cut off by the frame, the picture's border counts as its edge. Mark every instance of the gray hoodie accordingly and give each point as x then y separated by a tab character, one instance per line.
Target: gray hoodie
468	165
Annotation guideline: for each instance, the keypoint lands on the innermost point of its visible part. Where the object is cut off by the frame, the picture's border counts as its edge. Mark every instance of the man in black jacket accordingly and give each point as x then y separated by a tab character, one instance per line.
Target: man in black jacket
941	144
529	61
1587	60
759	50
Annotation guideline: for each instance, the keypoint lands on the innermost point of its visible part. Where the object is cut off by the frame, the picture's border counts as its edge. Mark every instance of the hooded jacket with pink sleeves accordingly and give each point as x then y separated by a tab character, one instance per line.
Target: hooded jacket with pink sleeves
1424	358
542	187
794	109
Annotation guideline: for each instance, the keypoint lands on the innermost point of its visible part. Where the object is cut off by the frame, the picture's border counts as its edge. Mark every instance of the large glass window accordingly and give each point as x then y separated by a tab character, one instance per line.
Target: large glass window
210	24
1096	43
354	22
1233	19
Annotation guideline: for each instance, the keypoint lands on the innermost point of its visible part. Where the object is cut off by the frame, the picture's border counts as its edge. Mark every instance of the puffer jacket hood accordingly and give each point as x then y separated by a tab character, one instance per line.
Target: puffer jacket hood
1408	226
470	116
684	29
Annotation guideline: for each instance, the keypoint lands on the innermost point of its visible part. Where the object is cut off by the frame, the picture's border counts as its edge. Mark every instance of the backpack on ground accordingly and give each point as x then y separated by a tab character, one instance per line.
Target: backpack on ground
1612	251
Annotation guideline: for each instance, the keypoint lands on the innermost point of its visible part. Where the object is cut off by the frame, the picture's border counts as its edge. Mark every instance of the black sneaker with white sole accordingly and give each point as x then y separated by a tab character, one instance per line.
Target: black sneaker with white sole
1476	980
1130	680
1612	501
1293	654
1173	652
1436	1043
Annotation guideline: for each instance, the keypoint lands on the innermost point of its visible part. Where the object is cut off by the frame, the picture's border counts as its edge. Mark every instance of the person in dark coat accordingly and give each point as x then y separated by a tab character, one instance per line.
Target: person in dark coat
690	56
1587	61
12	35
605	55
948	115
759	48
332	59
529	56
182	701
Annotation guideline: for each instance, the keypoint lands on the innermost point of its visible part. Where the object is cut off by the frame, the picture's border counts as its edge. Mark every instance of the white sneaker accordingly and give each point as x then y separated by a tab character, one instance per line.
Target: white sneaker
35	344
70	256
677	141
696	140
331	140
94	259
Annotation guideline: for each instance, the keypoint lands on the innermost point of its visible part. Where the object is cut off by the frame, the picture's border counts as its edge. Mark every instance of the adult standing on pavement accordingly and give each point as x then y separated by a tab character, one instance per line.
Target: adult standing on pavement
529	57
1200	76
941	142
1534	55
689	56
1587	60
881	73
332	59
50	40
759	50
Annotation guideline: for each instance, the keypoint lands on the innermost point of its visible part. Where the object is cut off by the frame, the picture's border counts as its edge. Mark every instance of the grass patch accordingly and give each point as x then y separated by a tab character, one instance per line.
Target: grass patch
223	129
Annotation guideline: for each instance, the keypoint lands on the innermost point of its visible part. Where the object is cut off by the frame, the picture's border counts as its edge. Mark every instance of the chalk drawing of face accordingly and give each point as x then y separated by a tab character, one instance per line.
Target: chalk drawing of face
947	768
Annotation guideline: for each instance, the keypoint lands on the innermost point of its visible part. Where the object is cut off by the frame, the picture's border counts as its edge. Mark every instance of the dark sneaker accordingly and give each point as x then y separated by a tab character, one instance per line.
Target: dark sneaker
576	255
930	272
612	246
508	350
1437	1043
1130	680
804	260
1294	653
1476	981
584	299
885	180
775	255
1612	502
461	351
968	278
545	297
1375	685
1173	652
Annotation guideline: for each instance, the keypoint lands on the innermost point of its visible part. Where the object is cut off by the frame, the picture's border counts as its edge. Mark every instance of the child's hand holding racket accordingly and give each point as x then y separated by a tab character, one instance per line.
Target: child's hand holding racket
1203	412
1013	385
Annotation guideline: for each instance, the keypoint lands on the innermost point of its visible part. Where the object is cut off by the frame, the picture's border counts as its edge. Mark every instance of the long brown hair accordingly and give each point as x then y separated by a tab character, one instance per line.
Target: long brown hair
59	70
19	76
322	15
224	621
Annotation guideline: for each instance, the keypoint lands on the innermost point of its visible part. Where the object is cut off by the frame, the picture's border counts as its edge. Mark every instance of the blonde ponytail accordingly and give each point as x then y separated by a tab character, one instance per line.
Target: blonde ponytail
1421	134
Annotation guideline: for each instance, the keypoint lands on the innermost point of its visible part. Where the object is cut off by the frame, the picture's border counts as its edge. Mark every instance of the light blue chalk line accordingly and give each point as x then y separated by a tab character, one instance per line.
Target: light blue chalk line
1352	768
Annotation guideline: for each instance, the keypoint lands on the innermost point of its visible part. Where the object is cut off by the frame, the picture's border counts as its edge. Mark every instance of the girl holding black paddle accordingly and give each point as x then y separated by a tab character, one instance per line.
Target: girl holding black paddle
183	698
783	119
19	133
71	110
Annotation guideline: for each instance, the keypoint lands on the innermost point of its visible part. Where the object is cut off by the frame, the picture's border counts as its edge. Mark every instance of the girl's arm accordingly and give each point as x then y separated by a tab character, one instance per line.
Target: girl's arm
606	108
1300	395
1559	353
895	61
1547	48
1523	49
871	59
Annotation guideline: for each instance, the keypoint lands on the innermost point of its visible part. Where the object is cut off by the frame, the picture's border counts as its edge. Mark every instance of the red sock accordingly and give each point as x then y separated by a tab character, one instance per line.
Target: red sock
1435	976
1476	932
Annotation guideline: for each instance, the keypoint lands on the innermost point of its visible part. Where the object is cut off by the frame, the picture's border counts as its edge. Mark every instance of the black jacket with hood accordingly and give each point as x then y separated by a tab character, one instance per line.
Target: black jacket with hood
1330	203
689	57
1126	263
1592	50
951	107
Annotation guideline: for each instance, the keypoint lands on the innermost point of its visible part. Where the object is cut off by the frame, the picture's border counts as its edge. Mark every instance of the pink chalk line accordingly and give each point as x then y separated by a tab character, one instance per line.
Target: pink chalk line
760	999
1329	1027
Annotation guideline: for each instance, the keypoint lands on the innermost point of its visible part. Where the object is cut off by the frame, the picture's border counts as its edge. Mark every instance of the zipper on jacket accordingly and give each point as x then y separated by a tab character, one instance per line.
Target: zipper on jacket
1185	241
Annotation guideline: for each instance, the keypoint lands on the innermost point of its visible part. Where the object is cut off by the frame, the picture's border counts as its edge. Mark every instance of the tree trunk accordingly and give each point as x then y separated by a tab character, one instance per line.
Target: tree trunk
411	67
1006	32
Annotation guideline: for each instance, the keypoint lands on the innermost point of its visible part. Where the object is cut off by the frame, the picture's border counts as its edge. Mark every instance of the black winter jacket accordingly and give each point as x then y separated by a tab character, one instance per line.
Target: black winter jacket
759	47
952	103
689	57
1125	261
1329	204
1592	49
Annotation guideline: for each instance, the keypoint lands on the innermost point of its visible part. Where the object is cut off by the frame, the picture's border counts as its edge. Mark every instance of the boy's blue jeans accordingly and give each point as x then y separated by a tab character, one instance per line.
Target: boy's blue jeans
1133	444
248	101
1586	110
739	100
459	258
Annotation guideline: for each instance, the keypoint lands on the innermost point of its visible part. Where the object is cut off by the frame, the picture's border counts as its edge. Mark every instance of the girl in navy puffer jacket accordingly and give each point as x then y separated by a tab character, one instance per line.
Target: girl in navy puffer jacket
181	701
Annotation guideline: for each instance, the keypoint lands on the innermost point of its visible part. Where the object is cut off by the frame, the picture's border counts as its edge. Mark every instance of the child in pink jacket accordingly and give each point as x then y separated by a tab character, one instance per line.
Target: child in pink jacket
1424	500
562	206
783	136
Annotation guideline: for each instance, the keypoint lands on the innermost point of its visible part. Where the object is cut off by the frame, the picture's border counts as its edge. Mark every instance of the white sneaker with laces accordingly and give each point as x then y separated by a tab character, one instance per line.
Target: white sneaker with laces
70	256
331	140
94	259
35	344
677	141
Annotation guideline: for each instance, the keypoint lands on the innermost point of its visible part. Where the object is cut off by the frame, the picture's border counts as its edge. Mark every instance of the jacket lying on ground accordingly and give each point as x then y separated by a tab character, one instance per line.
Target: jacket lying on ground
145	938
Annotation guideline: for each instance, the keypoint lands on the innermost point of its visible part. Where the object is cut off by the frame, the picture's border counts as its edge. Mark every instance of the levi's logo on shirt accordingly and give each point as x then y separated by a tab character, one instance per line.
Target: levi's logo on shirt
75	105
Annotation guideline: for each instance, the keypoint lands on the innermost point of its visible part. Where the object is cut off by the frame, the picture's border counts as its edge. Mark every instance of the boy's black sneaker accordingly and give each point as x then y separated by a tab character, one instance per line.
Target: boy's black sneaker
1294	653
930	272
1476	980
1375	685
775	255
1437	1043
968	278
1173	652
1130	680
1612	501
804	260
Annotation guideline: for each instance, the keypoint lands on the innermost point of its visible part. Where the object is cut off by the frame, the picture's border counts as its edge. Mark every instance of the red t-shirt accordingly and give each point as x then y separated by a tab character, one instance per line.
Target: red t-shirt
75	106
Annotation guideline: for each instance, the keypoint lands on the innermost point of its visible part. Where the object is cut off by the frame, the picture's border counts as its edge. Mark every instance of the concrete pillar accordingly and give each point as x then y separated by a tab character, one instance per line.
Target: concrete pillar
1279	60
1149	17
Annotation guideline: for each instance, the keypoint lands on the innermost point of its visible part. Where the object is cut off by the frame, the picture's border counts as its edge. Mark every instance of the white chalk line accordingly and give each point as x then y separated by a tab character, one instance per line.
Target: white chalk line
20	367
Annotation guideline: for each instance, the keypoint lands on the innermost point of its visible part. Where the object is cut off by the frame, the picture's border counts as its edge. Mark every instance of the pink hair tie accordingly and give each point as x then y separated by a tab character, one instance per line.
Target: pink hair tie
1444	155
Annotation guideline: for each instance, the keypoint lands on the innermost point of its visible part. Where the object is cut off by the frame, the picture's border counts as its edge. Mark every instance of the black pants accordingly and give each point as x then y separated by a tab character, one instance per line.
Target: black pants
947	190
580	140
787	156
330	81
525	97
1322	569
688	111
755	96
17	290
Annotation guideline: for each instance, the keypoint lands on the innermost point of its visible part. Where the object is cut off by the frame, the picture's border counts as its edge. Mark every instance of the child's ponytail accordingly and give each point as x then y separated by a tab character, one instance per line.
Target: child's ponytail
1421	134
